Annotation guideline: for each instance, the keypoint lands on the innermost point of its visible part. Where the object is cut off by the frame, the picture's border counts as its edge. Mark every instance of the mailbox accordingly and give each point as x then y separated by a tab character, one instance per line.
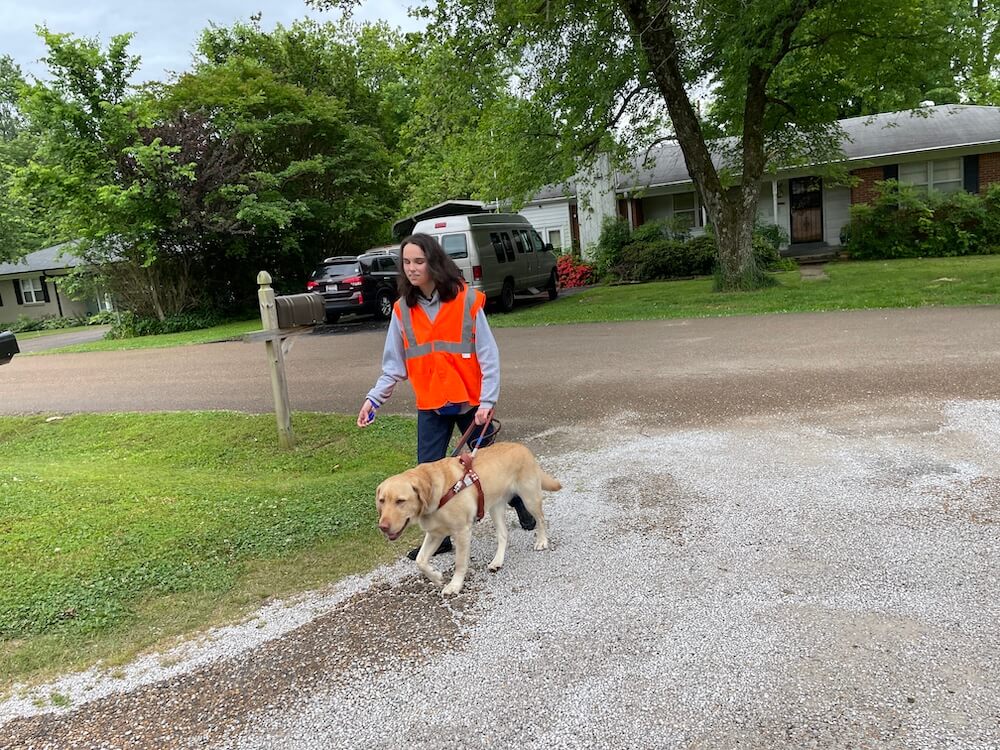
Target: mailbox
8	347
300	310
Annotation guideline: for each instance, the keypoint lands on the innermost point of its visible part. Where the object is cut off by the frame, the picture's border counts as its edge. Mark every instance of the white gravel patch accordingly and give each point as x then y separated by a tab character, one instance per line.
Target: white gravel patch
800	584
272	621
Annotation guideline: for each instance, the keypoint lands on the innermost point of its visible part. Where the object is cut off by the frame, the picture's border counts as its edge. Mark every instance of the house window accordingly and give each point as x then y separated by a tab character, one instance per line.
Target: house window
31	291
555	238
942	175
685	210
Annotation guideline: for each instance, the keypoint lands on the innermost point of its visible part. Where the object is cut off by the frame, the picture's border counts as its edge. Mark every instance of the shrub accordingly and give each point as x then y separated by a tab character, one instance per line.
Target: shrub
903	222
23	324
573	272
615	235
129	325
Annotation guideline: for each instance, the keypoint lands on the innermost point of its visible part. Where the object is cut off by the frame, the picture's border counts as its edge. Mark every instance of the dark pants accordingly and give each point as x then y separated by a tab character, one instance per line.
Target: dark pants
434	433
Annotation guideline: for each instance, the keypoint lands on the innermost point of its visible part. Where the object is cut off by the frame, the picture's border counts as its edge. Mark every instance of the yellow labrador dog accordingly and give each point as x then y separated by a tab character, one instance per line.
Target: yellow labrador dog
504	469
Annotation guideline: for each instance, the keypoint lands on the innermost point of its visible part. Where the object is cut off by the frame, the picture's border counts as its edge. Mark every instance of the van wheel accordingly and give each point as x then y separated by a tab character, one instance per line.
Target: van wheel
553	287
332	317
506	301
383	305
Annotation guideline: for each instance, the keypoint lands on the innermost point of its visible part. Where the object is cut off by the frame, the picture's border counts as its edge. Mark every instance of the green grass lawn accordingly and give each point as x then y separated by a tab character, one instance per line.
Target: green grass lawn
120	531
851	285
224	332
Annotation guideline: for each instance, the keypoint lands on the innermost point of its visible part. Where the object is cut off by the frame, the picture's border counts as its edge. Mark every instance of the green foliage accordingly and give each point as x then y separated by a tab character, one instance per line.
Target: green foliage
128	325
24	324
904	222
615	235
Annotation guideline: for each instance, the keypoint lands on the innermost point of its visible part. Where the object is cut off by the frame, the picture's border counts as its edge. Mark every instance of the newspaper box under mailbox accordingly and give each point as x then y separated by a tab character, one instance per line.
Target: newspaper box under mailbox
300	310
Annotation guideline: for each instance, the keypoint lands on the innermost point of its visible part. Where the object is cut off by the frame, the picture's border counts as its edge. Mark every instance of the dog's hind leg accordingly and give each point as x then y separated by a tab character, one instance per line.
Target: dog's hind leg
431	543
499	515
463	542
533	502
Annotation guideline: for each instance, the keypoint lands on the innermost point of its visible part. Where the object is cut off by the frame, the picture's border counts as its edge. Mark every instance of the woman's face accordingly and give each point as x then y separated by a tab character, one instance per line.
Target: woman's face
415	266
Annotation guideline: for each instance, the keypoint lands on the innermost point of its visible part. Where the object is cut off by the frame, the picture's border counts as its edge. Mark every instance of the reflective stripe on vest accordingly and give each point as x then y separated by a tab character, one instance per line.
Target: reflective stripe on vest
467	345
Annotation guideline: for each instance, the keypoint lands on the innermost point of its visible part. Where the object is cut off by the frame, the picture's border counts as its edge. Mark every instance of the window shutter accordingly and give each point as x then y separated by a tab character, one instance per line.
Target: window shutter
890	172
17	291
1	299
45	289
970	182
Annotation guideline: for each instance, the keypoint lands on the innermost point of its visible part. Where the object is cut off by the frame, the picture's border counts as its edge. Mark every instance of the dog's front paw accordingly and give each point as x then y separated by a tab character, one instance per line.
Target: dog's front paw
432	575
541	544
494	565
452	588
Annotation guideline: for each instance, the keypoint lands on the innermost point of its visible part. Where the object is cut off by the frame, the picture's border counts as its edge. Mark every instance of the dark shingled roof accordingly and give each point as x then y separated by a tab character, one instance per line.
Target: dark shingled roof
41	261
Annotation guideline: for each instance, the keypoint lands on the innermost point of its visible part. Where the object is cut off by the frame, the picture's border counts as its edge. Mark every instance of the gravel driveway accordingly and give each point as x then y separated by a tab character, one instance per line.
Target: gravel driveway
820	575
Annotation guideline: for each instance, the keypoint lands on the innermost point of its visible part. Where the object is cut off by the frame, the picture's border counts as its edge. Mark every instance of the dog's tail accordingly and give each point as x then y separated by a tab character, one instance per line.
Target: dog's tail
548	483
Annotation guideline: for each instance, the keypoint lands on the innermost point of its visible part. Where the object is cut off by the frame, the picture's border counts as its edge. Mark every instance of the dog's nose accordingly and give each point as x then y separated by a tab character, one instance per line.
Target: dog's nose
384	528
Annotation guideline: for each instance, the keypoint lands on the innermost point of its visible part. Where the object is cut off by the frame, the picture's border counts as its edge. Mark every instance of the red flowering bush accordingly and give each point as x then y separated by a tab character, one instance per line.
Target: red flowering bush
573	272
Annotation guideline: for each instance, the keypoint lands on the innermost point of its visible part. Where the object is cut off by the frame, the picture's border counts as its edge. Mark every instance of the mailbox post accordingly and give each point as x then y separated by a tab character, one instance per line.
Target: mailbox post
276	361
282	317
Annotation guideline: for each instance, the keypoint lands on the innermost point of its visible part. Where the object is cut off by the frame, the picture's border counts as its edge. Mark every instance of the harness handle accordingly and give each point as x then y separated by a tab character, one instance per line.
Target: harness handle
471	428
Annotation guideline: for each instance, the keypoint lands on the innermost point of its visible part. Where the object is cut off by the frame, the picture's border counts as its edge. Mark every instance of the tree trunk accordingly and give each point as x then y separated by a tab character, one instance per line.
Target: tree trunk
734	239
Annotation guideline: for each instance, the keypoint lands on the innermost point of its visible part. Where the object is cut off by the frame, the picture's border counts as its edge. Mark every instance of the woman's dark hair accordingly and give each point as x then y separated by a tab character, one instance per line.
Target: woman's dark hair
447	276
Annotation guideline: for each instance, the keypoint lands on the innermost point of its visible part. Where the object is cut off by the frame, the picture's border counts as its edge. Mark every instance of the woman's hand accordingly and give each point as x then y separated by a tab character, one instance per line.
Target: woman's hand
367	413
483	415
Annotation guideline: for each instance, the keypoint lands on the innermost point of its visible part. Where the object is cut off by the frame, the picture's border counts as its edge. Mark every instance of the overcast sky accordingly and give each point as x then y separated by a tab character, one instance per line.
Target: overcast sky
165	31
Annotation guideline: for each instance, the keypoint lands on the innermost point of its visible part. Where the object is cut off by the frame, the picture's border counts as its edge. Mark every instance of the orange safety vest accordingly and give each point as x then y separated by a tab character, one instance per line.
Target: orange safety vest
441	360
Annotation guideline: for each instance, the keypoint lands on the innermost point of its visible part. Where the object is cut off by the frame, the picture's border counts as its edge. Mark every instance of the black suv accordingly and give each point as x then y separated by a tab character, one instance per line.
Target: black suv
365	284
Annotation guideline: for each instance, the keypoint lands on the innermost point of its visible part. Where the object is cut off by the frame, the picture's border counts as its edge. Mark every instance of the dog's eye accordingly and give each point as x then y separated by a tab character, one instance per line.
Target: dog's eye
400	501
379	501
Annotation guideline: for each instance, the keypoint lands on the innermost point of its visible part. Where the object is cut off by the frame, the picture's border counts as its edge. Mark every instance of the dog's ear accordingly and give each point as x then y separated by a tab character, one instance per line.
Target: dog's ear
422	487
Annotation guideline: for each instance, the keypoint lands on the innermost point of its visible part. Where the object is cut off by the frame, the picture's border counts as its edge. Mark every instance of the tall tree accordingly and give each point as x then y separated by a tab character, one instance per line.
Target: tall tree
774	72
18	233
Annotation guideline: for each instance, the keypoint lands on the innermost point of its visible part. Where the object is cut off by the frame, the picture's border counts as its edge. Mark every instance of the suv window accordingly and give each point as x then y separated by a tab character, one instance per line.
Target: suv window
454	245
330	270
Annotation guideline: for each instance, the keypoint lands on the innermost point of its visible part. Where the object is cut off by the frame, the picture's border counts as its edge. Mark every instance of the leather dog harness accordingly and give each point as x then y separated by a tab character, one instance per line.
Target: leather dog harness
469	478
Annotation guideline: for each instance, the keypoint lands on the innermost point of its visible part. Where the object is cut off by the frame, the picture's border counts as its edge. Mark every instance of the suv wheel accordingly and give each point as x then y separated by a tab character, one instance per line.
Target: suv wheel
332	317
383	304
506	301
553	287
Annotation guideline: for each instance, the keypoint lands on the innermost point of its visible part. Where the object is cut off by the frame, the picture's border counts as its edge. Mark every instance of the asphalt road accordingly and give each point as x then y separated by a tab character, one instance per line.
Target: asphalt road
775	531
672	372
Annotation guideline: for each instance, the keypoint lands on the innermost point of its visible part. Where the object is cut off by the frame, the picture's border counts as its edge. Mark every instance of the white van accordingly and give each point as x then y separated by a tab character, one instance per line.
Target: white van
499	254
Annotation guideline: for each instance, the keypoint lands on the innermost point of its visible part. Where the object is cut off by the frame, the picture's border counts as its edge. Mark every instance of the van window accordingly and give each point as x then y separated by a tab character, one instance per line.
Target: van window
536	241
454	245
508	247
526	239
518	241
497	247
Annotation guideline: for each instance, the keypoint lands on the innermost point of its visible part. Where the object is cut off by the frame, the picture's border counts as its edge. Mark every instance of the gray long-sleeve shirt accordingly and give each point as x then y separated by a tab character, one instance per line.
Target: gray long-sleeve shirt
394	361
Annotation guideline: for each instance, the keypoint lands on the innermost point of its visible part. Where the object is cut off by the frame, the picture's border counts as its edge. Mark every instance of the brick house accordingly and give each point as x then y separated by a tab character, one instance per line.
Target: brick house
944	148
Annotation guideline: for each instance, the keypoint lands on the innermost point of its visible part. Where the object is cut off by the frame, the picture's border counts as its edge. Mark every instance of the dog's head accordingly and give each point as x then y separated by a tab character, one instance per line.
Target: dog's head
399	500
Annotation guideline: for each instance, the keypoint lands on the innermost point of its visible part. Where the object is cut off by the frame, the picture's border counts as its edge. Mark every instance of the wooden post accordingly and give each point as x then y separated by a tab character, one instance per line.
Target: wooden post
276	360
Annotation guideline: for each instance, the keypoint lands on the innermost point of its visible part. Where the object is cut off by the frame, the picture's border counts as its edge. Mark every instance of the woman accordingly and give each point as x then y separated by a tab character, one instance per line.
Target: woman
440	341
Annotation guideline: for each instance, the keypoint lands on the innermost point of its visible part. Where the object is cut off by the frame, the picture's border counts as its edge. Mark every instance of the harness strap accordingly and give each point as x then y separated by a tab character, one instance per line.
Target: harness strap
469	478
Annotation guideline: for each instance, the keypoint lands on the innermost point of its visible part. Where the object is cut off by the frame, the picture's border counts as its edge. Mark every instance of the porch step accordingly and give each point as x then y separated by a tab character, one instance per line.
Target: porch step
811	252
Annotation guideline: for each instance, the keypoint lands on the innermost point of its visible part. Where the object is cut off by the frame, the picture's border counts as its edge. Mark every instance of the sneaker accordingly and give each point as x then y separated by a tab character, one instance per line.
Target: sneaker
446	546
526	520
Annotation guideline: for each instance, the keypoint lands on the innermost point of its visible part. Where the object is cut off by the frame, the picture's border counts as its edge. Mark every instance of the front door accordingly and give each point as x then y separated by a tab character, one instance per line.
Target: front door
807	209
